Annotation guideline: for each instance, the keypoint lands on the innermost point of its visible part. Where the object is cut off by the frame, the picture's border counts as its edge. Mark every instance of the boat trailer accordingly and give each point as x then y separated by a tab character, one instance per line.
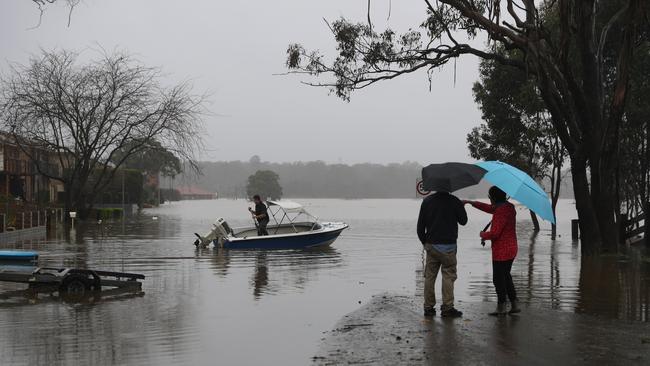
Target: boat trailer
70	281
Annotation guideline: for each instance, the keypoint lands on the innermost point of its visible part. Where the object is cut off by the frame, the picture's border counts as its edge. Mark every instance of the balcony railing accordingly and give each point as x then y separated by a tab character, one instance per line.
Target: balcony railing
18	167
26	167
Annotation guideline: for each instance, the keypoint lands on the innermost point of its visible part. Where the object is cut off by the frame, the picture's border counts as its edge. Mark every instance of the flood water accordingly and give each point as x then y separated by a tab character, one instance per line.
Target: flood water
208	307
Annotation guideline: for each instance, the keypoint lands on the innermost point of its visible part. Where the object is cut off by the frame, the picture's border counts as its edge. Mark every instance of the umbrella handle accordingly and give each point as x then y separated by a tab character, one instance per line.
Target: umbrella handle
484	229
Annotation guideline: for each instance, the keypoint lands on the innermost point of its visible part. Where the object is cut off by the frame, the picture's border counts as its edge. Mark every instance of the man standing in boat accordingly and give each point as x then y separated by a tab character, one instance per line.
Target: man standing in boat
260	214
437	229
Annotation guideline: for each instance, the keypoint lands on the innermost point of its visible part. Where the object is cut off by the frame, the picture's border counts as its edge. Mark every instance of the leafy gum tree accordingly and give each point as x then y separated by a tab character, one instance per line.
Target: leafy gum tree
152	158
634	167
517	127
579	60
266	183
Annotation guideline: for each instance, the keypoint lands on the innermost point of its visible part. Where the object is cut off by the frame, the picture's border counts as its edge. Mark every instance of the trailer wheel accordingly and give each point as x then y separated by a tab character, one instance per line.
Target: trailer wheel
75	285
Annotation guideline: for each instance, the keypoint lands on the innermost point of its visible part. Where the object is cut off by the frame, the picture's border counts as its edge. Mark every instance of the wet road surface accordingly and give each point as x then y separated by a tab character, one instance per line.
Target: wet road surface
391	330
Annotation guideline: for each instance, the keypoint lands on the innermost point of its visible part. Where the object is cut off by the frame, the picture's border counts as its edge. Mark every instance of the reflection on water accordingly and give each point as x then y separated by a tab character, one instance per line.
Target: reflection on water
204	306
260	276
290	269
616	287
17	298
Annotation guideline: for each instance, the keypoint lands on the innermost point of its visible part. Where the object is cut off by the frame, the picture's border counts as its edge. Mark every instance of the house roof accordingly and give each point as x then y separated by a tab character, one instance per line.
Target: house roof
193	190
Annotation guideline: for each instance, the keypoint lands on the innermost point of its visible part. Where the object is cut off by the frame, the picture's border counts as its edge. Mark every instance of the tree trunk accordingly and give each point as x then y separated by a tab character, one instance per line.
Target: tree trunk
67	204
590	238
604	200
556	182
600	291
646	233
535	220
553	231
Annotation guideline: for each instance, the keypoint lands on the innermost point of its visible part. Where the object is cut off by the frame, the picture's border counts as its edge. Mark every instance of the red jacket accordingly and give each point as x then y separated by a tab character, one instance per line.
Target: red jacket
502	232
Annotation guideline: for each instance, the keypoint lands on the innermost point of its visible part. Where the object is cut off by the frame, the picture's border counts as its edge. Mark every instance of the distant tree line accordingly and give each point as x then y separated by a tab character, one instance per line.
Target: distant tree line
314	179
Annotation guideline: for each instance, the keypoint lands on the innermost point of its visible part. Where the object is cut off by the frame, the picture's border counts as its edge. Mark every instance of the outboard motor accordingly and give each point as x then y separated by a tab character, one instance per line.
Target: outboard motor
220	231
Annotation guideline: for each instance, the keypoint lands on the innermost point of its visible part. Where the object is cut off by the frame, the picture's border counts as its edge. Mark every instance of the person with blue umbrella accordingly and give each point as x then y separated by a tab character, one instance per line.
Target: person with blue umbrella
503	236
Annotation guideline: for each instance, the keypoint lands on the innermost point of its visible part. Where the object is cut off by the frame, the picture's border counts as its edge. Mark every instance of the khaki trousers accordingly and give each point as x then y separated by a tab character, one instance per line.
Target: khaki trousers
446	263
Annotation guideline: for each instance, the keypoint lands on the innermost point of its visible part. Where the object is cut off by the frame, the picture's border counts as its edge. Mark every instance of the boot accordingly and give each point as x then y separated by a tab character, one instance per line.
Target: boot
501	309
451	313
514	307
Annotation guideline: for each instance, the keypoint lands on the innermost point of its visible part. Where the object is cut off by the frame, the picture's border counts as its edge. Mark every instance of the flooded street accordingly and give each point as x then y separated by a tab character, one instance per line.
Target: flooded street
209	306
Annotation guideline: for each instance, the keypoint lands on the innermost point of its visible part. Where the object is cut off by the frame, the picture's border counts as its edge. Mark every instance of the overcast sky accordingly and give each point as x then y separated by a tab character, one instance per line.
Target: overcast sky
232	49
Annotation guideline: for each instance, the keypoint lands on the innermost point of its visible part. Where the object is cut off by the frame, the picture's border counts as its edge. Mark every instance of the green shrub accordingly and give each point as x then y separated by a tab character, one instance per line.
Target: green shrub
108	213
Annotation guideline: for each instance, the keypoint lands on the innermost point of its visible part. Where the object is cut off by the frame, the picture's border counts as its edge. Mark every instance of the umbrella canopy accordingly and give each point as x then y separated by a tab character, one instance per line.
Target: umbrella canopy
451	177
519	186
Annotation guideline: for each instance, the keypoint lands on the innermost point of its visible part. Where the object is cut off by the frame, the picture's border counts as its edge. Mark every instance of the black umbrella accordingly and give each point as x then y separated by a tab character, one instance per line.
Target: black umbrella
451	177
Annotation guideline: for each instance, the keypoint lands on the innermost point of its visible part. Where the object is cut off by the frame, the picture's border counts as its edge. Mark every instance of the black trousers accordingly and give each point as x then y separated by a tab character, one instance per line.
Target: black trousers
261	227
503	281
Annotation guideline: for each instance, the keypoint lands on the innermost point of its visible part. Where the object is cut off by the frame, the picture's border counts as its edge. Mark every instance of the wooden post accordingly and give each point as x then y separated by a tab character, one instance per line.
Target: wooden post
622	228
575	229
23	220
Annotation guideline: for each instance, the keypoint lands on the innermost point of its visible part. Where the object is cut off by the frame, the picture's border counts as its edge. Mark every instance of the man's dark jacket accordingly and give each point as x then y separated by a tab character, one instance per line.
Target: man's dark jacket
439	217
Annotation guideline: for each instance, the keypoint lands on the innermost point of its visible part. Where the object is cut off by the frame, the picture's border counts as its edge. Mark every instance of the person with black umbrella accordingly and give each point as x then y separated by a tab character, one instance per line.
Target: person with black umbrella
437	230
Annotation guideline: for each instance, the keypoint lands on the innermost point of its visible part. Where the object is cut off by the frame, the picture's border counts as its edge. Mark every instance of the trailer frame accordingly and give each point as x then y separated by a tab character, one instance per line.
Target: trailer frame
71	281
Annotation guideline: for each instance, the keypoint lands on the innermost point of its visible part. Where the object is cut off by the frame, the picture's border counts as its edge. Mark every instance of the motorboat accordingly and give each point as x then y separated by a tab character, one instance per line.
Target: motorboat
290	227
18	256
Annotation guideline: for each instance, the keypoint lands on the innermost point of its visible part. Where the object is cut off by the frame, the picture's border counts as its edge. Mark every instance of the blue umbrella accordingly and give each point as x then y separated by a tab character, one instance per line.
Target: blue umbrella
519	186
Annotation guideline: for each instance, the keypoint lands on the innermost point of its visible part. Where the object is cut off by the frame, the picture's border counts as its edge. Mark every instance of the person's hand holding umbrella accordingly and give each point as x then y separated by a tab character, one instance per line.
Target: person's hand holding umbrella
468	202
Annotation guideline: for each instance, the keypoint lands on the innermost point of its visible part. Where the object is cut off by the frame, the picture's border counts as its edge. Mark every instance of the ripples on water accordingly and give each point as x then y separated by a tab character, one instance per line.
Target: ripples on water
212	306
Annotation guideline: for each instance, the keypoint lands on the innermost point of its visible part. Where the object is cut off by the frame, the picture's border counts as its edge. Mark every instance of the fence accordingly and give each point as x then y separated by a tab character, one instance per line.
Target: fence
19	220
631	229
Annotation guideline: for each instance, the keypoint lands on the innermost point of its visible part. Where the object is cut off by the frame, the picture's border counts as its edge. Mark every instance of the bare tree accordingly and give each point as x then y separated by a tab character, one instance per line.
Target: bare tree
85	115
578	52
43	4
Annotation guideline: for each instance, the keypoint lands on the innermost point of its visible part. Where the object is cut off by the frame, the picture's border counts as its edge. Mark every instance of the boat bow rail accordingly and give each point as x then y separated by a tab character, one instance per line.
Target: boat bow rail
291	212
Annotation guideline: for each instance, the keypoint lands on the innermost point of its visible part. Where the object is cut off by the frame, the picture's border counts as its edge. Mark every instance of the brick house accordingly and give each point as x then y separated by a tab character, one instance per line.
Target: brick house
19	177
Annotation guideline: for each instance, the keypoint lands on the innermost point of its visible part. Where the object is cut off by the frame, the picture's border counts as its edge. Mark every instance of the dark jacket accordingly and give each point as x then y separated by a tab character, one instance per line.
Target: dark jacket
260	209
439	217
